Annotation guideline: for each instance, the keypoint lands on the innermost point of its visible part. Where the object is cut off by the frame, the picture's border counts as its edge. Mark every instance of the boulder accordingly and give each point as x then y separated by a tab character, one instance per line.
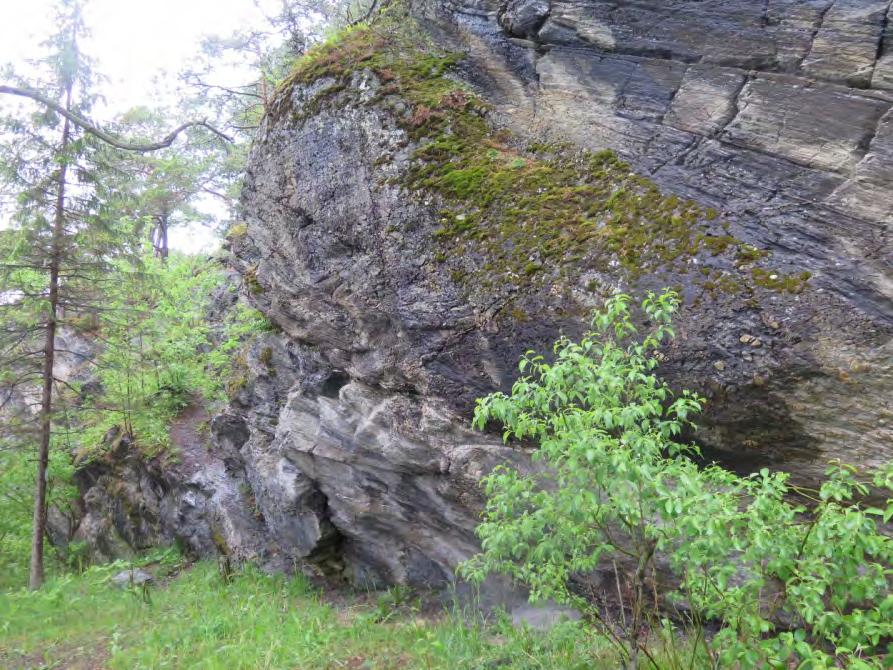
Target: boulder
523	18
130	578
749	140
728	104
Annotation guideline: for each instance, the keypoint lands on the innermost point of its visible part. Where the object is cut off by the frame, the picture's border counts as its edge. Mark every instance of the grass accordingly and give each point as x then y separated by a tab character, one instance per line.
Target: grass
194	619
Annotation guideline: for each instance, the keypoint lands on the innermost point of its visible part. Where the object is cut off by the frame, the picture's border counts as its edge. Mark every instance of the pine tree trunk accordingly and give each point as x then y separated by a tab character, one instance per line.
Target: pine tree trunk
164	243
36	575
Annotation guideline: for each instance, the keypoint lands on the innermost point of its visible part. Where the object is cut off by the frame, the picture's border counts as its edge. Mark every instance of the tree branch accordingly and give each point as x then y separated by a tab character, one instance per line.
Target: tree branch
374	7
101	134
195	80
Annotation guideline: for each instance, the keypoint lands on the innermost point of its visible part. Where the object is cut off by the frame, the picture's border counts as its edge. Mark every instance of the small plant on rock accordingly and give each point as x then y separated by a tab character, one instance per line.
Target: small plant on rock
605	425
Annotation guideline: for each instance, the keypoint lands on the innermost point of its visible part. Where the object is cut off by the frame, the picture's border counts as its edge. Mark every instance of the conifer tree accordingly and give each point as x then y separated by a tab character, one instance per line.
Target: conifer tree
57	246
162	189
45	256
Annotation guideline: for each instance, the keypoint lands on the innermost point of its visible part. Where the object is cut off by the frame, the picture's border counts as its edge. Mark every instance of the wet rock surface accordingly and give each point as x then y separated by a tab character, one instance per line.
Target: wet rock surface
778	115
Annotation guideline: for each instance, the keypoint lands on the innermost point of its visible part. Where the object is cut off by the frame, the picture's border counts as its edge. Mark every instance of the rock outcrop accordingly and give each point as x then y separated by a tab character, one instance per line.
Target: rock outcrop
404	289
778	114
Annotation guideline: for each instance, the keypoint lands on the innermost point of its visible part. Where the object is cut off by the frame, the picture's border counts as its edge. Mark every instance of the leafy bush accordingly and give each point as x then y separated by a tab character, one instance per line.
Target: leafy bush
785	583
159	351
17	475
792	582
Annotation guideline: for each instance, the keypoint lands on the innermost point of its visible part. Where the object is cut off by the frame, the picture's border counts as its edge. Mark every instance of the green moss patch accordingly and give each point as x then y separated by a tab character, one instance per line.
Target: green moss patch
237	231
531	213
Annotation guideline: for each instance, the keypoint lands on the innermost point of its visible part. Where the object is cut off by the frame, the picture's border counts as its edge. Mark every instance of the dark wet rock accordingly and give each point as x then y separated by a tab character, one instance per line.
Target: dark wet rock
523	18
733	105
132	503
778	114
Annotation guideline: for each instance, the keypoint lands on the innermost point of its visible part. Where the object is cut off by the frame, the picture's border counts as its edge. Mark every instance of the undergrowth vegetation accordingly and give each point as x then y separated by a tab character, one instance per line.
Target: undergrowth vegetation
252	621
786	577
16	508
155	351
161	351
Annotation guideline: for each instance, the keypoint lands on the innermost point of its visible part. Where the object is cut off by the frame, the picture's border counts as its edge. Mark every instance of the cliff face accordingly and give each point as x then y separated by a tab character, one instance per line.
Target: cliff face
416	221
778	114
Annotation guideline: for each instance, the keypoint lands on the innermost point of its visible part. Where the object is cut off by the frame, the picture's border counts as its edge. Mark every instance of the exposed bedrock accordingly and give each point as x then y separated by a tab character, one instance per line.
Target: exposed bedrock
209	495
350	441
778	114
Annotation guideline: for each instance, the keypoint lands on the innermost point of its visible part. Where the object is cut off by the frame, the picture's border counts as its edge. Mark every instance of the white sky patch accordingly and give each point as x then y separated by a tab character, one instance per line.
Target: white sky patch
139	46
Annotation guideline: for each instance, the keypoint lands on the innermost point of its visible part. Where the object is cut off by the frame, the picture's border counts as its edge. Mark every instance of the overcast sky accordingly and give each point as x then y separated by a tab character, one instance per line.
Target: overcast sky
133	42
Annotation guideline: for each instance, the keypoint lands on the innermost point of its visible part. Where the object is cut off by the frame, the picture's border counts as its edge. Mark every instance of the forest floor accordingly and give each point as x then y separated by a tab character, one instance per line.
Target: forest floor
192	618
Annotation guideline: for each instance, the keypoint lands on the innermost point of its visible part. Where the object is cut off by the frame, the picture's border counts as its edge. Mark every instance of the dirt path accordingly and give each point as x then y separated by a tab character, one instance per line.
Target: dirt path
190	438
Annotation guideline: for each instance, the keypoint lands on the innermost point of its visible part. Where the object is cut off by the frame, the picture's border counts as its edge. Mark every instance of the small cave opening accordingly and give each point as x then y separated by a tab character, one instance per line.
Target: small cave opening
334	383
328	554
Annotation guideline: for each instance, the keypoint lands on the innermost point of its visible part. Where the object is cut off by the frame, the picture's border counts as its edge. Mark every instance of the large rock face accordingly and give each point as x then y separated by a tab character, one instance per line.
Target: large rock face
352	435
780	115
199	497
776	112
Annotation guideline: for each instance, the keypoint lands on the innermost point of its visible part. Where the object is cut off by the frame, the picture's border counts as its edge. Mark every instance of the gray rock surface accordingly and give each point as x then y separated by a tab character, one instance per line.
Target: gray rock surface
348	446
542	616
199	498
777	114
128	578
734	104
761	109
523	18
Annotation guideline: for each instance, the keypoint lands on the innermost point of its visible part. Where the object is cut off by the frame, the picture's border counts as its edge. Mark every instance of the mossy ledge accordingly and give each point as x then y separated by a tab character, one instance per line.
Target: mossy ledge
528	213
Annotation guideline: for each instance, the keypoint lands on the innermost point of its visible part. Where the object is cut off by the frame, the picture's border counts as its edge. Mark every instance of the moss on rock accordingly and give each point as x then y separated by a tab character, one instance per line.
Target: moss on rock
531	212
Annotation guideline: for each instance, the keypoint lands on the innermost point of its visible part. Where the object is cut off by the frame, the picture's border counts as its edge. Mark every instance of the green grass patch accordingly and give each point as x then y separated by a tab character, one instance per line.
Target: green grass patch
196	620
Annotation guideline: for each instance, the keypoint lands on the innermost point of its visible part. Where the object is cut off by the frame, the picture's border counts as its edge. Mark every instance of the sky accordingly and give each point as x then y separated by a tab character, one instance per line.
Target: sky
139	46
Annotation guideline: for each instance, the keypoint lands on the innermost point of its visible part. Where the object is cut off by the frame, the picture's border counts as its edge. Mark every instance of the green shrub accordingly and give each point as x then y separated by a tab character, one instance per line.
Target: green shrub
160	352
17	480
786	585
